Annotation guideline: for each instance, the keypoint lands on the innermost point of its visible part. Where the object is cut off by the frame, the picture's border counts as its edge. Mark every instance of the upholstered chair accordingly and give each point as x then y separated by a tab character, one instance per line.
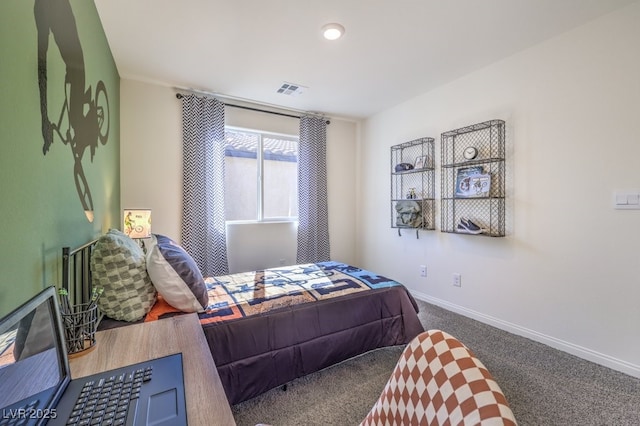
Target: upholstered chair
439	381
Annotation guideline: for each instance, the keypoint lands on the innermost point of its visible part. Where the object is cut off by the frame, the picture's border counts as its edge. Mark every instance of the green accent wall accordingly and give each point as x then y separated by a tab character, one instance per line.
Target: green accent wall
40	208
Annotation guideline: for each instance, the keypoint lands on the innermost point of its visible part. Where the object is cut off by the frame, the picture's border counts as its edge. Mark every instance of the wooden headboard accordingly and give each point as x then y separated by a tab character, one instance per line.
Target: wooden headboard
76	272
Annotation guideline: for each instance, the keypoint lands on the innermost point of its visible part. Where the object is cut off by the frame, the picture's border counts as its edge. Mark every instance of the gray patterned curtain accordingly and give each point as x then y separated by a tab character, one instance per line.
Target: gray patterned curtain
313	216
203	223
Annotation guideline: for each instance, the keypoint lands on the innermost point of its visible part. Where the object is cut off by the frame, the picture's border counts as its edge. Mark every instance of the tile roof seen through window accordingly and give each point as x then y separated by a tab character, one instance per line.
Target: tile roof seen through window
244	144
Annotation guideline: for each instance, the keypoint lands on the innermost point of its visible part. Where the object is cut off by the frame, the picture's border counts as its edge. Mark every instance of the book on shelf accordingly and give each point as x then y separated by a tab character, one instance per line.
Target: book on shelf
472	182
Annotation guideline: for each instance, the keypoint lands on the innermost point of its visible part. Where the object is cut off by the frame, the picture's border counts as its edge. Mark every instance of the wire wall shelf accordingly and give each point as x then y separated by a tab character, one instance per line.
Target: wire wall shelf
473	180
413	185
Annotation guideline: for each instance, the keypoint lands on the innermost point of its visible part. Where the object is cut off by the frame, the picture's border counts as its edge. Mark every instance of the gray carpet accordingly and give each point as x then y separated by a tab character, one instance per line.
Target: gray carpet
544	386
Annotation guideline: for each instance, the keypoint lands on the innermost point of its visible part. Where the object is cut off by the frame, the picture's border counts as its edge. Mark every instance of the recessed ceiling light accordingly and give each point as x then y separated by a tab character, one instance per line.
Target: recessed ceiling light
332	31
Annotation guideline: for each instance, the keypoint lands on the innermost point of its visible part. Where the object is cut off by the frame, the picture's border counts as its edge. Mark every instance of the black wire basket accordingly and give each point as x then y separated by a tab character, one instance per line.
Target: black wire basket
80	325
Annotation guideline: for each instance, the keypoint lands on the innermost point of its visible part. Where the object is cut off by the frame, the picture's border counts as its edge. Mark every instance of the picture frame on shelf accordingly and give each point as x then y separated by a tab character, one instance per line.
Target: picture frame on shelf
472	182
420	163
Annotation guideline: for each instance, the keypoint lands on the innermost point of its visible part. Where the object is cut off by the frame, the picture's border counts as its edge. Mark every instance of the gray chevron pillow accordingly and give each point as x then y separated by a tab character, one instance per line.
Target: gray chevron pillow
118	266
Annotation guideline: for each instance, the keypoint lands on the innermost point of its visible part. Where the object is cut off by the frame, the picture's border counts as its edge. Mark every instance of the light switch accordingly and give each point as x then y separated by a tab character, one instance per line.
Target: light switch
626	199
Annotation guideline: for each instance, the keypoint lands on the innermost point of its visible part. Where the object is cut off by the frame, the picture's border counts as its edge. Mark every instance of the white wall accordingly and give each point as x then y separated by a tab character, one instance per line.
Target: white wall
151	176
151	154
567	273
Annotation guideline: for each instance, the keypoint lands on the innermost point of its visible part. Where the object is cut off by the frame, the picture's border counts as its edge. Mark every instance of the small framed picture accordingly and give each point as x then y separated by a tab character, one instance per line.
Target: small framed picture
421	162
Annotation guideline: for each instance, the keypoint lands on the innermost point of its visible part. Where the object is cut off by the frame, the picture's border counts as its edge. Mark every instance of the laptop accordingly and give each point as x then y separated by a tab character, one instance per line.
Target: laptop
36	386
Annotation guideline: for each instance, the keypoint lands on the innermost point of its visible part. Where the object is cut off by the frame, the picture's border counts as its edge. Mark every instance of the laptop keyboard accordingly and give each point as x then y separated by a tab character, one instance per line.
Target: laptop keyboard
107	401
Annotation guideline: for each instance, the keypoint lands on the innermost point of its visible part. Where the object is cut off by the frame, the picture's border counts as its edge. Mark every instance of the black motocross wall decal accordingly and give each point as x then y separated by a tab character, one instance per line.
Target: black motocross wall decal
83	119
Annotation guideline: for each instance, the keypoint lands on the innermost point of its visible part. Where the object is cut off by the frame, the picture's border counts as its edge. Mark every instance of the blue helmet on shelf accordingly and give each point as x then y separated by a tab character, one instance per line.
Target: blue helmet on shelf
403	167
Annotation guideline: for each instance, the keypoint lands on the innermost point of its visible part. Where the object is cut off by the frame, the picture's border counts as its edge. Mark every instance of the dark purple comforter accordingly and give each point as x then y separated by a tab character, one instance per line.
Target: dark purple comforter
258	353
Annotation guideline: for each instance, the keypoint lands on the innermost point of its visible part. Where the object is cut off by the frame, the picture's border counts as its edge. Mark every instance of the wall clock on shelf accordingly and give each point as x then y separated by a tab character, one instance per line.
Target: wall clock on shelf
470	153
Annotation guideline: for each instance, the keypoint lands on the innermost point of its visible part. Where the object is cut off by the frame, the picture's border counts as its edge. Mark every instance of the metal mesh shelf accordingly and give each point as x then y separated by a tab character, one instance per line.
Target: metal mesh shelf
413	191
484	144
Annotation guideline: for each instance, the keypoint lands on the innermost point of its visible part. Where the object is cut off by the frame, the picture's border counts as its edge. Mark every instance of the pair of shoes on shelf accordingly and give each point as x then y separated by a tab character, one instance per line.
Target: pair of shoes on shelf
466	226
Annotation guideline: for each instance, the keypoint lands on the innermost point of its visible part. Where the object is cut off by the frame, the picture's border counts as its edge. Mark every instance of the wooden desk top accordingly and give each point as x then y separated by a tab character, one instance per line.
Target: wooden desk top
206	401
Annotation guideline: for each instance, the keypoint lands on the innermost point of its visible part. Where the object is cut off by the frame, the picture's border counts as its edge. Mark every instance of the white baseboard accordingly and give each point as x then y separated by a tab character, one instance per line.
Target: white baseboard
573	349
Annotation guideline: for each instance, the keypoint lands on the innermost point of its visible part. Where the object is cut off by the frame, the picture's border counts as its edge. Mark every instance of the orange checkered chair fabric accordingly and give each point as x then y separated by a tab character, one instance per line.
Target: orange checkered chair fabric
438	381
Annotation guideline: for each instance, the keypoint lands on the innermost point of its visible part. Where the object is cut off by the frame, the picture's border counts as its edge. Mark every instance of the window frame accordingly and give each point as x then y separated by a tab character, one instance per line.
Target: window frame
260	175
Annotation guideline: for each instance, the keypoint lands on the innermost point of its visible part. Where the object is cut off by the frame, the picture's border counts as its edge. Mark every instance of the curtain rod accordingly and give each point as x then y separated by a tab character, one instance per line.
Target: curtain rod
180	96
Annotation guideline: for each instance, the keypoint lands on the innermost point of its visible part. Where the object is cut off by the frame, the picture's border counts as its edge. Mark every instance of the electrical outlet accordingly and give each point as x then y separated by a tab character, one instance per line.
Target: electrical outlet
423	270
457	280
282	262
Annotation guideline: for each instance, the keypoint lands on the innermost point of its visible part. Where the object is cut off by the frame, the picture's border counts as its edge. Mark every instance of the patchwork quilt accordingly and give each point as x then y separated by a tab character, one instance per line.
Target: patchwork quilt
257	292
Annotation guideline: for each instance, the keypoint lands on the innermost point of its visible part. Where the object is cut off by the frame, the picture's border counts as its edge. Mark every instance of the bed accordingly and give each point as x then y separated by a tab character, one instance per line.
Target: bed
266	328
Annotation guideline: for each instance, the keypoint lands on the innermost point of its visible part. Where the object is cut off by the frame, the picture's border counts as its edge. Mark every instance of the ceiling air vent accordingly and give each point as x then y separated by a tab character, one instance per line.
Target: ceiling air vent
291	89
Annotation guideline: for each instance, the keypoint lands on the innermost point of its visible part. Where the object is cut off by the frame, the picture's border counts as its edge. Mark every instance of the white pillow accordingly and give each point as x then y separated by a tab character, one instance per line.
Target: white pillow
176	276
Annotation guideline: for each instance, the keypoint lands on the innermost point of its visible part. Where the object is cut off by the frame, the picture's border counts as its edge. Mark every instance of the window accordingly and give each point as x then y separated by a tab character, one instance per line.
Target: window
261	176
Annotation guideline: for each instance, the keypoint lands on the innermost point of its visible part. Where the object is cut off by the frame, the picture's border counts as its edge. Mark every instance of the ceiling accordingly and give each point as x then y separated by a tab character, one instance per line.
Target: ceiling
391	50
